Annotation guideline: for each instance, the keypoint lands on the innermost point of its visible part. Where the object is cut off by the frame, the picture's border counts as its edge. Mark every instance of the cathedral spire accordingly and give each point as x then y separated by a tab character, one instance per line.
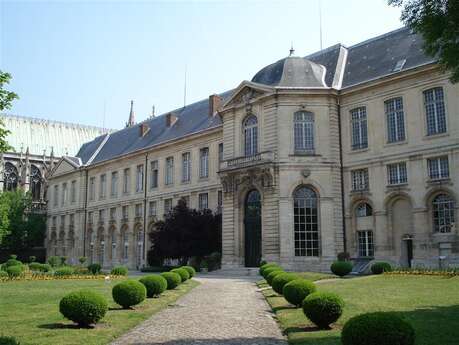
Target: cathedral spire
131	121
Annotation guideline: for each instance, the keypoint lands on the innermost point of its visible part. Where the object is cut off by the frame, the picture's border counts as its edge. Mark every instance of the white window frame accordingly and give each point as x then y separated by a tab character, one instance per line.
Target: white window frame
435	111
397	173
359	128
169	173
360	180
203	201
438	168
250	131
186	167
303	132
204	162
139	178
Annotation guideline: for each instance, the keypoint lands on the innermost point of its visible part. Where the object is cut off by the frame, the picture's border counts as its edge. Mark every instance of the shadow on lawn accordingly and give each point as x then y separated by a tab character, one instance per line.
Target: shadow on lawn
61	326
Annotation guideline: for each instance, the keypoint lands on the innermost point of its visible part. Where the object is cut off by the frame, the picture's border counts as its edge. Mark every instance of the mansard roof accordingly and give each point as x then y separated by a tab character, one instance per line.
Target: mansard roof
337	67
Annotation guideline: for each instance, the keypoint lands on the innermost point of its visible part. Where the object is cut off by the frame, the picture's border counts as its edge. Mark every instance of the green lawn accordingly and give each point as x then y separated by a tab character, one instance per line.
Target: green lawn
29	310
430	304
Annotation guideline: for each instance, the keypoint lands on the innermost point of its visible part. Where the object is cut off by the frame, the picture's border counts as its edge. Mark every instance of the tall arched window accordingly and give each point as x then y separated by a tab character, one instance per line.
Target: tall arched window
251	135
10	177
306	222
363	210
125	240
304	131
443	213
35	182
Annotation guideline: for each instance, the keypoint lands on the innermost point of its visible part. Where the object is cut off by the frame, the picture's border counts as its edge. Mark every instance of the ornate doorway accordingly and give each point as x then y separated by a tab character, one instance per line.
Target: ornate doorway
252	228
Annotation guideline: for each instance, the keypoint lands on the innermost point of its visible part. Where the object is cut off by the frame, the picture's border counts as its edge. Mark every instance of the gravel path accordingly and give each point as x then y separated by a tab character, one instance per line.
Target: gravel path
223	310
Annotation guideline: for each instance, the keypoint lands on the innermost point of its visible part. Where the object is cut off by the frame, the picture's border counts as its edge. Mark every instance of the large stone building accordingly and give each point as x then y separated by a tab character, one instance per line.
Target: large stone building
349	149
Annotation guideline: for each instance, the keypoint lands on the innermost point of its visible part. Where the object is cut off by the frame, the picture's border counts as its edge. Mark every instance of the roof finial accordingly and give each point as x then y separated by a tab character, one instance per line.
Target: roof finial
131	120
292	51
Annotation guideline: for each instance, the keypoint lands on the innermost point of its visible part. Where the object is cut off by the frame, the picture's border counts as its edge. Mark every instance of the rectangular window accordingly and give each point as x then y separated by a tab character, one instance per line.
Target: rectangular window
152	208
138	210
186	167
103	186
90	217
92	188
220	152
72	220
167	205
139	179
395	120
73	192
113	213
304	132
435	111
203	201
360	180
125	212
204	162
154	174
101	215
126	180
64	194
359	128
169	171
56	195
438	168
63	221
397	174
114	184
366	247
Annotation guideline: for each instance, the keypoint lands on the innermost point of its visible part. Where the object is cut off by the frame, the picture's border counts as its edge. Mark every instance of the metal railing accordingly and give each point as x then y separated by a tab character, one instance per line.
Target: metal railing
247	161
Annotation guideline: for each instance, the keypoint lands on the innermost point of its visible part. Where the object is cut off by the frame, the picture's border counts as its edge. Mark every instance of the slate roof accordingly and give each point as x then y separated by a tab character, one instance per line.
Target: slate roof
368	60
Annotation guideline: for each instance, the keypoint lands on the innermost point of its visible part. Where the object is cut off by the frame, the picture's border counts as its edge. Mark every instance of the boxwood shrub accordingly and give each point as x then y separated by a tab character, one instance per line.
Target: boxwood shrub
14	271
64	271
173	279
183	273
94	268
84	307
265	266
4	340
377	329
129	293
380	267
297	290
270	277
341	268
270	269
281	279
323	308
155	284
11	262
191	270
119	271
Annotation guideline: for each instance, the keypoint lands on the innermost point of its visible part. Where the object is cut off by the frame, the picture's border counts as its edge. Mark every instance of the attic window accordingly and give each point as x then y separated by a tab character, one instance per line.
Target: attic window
399	65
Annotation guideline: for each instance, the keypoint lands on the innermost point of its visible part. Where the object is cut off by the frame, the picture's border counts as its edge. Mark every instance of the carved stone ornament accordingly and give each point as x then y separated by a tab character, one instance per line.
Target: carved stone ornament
306	173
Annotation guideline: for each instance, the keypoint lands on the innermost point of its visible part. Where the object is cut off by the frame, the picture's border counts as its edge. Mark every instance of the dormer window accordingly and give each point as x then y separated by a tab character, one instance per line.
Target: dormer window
304	132
251	135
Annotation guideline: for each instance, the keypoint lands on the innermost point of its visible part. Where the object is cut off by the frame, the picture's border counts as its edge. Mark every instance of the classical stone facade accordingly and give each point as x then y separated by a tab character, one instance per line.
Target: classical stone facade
349	149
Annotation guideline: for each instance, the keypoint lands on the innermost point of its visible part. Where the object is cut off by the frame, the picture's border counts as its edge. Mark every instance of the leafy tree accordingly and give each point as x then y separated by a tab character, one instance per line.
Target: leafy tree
6	100
185	233
437	21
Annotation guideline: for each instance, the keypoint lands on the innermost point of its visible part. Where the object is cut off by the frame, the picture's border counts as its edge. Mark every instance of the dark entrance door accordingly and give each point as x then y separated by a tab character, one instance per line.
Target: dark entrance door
252	229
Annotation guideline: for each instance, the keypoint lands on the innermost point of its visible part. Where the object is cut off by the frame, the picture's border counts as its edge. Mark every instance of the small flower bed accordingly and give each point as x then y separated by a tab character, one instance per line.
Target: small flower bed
50	276
451	272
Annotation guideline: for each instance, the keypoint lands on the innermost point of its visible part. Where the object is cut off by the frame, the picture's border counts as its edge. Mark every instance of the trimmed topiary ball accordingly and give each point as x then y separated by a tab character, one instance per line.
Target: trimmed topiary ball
8	341
380	267
12	262
14	271
323	308
83	307
341	268
155	284
270	269
183	273
119	271
377	329
191	270
129	293
94	268
262	269
297	290
281	279
270	277
173	279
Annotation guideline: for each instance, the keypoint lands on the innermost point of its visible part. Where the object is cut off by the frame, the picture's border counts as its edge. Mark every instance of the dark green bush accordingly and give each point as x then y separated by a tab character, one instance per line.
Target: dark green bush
183	273
155	284
35	266
270	277
265	266
323	308
8	341
32	258
14	271
270	269
341	268
377	329
380	267
297	290
83	307
94	268
191	270
119	271
263	262
64	271
54	261
129	293
11	262
281	279
173	279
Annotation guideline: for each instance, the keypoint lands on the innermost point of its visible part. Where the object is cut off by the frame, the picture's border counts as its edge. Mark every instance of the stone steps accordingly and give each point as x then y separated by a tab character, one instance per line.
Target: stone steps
237	271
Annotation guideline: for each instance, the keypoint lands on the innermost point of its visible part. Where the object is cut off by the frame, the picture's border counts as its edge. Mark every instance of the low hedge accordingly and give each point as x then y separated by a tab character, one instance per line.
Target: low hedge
182	272
38	267
270	269
380	267
119	271
14	271
270	277
64	271
94	268
341	268
281	279
129	293
173	279
323	308
297	290
377	329
191	270
84	307
12	262
155	284
266	266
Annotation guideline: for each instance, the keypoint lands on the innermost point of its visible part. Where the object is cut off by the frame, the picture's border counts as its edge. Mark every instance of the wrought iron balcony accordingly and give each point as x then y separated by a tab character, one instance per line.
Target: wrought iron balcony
247	161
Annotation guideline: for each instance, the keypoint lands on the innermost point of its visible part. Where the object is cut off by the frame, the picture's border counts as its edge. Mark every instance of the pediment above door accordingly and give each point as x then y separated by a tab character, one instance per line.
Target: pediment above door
247	93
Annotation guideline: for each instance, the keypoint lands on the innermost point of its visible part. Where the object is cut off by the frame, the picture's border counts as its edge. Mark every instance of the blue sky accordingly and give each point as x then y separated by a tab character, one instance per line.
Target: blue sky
76	61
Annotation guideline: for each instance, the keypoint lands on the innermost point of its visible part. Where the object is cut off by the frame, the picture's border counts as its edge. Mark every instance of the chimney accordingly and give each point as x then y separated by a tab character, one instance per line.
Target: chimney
144	128
170	119
215	103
